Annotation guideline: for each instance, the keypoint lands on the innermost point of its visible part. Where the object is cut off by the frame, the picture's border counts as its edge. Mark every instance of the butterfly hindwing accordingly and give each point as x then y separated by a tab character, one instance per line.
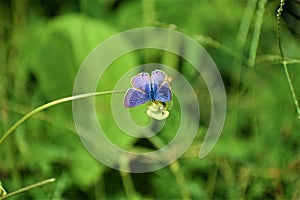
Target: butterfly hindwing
134	98
164	93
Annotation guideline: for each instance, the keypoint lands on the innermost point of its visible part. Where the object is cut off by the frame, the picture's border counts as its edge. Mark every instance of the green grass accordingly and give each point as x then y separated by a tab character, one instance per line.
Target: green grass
43	45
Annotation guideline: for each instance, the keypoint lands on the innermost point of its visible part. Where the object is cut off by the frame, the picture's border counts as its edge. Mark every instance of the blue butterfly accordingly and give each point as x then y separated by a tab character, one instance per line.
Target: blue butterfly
146	88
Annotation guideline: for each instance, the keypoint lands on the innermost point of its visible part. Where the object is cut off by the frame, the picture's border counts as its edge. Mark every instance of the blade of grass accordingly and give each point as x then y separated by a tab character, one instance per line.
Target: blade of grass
127	180
2	190
175	169
215	44
270	59
256	32
205	40
60	186
245	24
128	185
241	38
53	103
259	17
30	187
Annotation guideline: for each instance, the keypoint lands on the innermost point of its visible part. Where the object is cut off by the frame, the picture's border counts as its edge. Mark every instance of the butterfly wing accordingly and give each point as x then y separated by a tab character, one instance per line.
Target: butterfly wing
164	93
158	77
134	98
141	81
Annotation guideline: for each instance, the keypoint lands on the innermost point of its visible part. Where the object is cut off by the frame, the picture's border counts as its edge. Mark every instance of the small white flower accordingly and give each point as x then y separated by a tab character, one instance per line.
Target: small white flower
157	110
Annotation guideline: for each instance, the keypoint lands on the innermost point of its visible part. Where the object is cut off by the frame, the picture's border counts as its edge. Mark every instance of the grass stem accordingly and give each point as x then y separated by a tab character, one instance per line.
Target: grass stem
53	103
28	188
284	63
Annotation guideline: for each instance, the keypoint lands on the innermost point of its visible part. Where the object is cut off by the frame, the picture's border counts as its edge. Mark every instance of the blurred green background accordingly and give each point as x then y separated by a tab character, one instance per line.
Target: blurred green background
43	43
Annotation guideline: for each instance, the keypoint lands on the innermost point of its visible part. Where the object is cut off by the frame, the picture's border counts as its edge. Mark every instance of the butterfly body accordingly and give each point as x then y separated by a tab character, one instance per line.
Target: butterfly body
146	88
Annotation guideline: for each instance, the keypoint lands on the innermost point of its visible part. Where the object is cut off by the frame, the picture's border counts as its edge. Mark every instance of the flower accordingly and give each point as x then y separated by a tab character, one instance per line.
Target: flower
158	110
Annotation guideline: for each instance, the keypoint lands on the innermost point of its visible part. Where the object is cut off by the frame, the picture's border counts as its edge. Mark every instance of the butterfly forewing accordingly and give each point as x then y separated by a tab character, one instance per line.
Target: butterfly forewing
158	77
134	98
141	81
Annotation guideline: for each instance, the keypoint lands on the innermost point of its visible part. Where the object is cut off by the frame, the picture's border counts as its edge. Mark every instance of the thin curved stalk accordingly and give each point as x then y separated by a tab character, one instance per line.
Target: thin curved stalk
30	187
53	103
